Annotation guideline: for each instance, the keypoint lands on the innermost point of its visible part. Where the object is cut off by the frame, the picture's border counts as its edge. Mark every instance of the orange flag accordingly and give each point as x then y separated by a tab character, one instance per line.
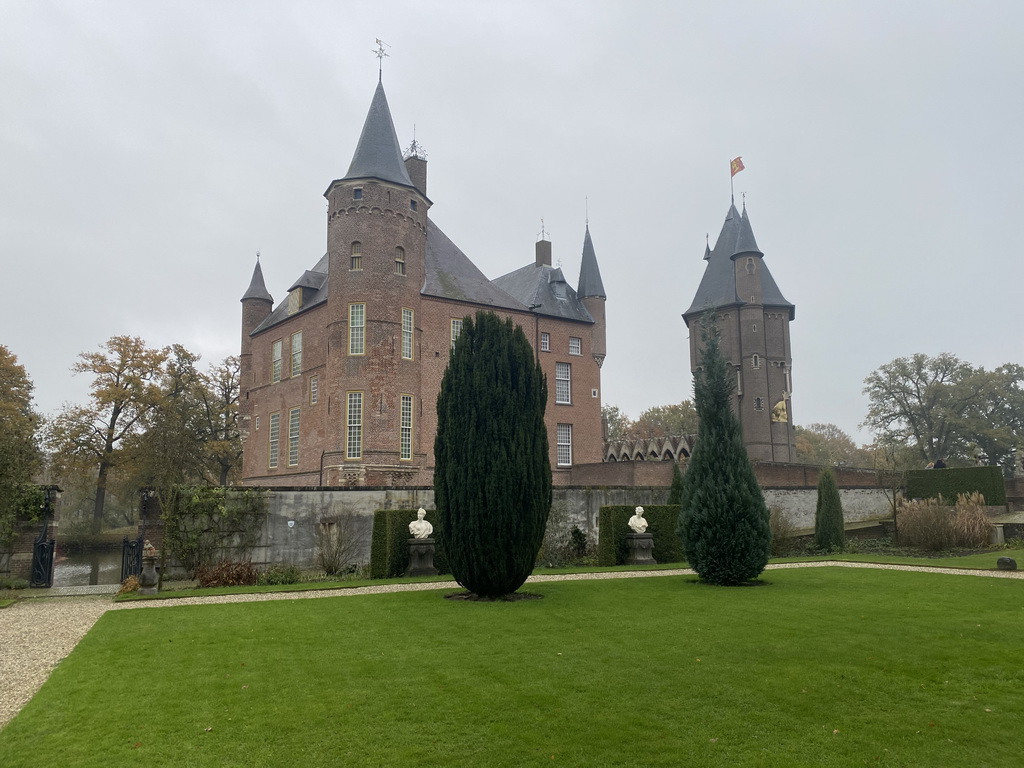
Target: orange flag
736	165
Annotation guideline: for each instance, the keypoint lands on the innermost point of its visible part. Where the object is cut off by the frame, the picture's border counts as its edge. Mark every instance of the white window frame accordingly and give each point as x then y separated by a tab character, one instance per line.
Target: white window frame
274	441
545	342
314	390
405	436
563	436
408	323
575	345
293	436
456	326
400	261
276	361
296	353
354	425
357	329
563	384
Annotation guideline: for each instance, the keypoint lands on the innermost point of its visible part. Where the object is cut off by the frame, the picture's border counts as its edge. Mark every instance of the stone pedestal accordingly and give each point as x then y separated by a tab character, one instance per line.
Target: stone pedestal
640	549
148	579
421	558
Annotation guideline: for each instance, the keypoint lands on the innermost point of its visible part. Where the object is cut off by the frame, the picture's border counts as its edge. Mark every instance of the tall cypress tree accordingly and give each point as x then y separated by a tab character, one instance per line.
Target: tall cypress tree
492	476
723	520
828	514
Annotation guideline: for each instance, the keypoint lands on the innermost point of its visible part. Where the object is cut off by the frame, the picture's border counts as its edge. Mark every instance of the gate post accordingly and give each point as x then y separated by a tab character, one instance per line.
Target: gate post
43	547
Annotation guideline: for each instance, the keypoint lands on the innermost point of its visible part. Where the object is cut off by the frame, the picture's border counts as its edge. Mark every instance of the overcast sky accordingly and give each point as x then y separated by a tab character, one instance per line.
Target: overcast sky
148	150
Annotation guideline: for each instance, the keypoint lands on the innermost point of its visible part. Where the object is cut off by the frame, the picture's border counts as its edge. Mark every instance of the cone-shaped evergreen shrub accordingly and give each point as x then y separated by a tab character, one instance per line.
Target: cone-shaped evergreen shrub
723	520
675	494
828	515
492	476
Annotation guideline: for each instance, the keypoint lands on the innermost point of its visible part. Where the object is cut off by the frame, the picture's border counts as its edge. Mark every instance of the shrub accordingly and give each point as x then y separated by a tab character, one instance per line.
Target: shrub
227	574
202	524
971	526
339	538
950	483
280	573
129	585
723	520
782	529
13	582
828	514
492	476
926	524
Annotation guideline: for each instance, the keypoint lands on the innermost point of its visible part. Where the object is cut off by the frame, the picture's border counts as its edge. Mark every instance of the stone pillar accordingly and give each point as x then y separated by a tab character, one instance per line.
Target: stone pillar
641	549
421	558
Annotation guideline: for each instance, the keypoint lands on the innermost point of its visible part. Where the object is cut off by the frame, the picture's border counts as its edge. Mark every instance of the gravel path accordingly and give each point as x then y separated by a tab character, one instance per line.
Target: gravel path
35	635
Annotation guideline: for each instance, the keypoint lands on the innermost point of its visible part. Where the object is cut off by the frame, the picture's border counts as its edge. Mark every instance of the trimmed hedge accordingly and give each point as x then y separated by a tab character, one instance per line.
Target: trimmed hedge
389	543
613	522
949	483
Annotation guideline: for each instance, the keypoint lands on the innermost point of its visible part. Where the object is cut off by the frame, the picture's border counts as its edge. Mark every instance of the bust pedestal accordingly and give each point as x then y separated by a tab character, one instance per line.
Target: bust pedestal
640	549
421	558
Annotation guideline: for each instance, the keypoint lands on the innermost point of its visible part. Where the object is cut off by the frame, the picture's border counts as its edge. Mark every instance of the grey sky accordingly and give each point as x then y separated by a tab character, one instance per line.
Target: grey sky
148	150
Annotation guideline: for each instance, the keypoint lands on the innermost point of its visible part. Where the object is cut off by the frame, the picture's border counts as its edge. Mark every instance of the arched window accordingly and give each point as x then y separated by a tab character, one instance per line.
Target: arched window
356	262
399	260
755	361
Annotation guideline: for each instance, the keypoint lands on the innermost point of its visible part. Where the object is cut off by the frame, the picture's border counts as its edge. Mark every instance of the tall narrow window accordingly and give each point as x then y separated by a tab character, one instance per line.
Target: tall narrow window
314	390
399	260
563	383
296	353
407	324
354	426
456	330
293	437
274	440
356	260
575	346
356	329
405	440
545	342
275	356
565	445
755	361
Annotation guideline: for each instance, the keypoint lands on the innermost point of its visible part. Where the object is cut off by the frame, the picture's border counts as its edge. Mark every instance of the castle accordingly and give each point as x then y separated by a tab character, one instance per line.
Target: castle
339	381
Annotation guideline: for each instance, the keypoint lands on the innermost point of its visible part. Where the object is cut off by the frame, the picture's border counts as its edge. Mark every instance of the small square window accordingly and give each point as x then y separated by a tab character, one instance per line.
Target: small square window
357	194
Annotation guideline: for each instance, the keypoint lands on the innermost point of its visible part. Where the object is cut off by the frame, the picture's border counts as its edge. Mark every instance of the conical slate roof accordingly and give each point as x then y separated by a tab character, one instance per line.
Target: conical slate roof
257	288
590	275
378	154
718	286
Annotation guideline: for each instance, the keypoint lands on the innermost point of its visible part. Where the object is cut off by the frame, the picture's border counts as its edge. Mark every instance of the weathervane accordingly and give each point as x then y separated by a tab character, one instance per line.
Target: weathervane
415	149
543	234
380	53
586	210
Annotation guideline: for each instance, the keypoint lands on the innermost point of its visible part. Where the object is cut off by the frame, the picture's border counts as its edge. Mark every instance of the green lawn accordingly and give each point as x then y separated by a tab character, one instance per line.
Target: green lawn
820	667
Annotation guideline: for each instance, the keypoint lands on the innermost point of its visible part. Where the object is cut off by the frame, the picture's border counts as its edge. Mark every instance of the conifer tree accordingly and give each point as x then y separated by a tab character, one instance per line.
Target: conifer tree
828	514
675	494
492	476
723	521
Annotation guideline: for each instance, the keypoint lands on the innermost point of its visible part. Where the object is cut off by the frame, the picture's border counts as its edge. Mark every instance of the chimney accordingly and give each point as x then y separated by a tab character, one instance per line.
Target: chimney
543	253
416	167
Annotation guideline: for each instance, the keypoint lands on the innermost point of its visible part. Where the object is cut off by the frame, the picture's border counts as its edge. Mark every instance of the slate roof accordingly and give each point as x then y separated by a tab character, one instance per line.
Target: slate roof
590	275
311	298
544	290
378	154
257	287
718	285
451	275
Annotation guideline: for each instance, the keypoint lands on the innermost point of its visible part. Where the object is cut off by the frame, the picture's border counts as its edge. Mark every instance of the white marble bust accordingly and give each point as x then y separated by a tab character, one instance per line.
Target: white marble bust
420	528
637	522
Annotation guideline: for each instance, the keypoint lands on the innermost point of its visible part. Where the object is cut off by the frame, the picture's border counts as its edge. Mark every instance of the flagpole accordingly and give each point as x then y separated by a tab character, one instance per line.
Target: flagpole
732	191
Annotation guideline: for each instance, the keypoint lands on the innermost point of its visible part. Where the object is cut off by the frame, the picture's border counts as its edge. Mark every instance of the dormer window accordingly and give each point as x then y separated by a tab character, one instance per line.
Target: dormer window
357	193
294	300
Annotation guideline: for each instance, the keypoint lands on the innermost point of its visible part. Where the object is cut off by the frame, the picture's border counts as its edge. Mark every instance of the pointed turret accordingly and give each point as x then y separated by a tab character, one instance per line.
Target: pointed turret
745	242
592	294
378	154
257	288
590	275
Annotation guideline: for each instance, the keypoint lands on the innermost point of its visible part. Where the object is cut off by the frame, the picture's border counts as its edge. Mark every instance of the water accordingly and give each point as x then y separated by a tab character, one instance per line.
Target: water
84	568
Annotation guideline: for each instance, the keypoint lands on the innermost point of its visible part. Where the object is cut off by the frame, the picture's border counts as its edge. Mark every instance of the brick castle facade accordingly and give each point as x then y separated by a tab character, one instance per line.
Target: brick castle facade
339	381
